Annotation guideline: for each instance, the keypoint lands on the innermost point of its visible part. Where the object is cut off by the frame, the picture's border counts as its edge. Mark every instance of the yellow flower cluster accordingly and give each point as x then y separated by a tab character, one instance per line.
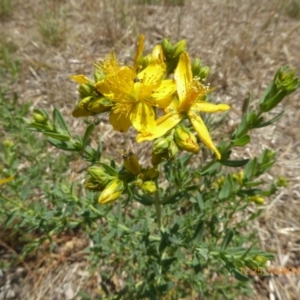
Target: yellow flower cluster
132	95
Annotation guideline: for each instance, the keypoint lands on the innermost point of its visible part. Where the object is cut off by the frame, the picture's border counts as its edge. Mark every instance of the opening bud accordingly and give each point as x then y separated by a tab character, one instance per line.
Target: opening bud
150	174
149	187
93	185
161	145
100	175
257	199
81	110
112	191
40	116
131	163
185	140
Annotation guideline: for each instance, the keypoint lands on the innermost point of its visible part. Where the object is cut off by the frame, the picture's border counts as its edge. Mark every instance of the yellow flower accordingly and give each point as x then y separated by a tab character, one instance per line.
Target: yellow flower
135	93
191	99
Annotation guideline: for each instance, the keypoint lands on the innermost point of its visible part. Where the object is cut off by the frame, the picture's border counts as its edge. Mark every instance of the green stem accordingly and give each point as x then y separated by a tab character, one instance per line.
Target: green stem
157	206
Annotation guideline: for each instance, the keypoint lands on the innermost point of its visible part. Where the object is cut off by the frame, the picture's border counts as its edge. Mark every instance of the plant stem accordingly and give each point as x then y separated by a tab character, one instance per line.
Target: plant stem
157	206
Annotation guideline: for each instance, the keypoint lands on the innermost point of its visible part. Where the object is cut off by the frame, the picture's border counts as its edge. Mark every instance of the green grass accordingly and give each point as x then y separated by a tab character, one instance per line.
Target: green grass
25	156
5	8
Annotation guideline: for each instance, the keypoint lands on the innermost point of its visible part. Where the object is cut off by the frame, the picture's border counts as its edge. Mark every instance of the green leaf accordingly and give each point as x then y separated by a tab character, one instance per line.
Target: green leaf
239	276
234	163
111	171
242	141
227	239
59	122
209	168
57	136
174	198
87	134
68	146
270	121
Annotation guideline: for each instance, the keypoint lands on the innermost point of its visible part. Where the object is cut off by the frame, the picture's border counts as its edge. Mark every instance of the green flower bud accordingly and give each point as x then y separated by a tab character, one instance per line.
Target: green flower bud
257	199
150	174
139	182
283	84
161	145
98	75
196	67
149	187
81	109
100	175
86	90
185	140
112	191
167	47
99	105
93	185
40	116
8	143
285	80
261	259
158	158
172	150
178	48
282	182
204	72
131	163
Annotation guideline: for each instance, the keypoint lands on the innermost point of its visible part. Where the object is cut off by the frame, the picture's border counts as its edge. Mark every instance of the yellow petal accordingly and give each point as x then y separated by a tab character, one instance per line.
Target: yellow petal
109	65
183	76
81	79
139	52
163	125
120	121
143	117
162	96
203	133
157	54
150	79
209	107
116	84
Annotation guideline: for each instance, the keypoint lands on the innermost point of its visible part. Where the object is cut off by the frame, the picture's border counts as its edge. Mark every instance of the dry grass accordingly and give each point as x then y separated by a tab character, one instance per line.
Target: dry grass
244	42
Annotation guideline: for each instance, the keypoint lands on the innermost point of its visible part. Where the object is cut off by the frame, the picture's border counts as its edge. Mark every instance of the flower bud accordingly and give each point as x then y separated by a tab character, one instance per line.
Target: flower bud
7	143
283	84
99	105
167	47
196	67
161	145
86	90
139	182
158	158
93	185
257	199
172	150
81	109
112	191
40	116
150	174
185	140
149	187
178	48
98	75
131	163
204	72
99	175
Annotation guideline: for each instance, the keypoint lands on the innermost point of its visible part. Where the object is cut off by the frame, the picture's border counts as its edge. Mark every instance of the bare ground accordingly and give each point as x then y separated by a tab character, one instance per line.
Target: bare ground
244	43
